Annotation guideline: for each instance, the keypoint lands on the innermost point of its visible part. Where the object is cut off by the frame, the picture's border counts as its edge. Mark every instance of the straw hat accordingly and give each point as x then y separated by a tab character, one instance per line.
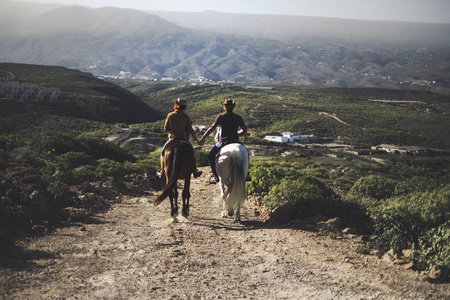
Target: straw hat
228	103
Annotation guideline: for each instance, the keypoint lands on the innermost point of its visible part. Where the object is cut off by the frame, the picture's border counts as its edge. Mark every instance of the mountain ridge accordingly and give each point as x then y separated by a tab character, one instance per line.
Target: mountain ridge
112	41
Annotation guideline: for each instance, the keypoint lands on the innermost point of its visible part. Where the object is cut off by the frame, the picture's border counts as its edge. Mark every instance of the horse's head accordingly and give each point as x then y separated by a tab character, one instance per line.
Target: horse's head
218	134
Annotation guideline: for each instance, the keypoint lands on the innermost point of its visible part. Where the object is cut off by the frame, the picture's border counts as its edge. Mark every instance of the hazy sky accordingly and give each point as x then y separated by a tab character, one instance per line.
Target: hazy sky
436	11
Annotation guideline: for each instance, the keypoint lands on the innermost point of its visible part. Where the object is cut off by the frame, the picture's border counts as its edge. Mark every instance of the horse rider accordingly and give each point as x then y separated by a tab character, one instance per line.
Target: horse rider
179	126
230	123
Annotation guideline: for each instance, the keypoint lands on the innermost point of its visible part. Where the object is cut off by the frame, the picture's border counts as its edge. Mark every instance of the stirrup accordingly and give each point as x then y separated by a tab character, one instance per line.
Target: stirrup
213	179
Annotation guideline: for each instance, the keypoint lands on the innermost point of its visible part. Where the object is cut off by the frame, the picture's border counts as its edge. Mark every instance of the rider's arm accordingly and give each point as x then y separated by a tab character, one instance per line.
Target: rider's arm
194	135
208	132
243	129
167	124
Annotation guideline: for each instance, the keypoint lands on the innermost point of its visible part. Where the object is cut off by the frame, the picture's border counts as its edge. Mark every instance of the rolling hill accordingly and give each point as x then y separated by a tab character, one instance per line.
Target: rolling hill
36	97
226	47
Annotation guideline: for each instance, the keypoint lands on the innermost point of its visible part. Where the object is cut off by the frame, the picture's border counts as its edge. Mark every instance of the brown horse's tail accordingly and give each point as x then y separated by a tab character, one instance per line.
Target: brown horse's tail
171	183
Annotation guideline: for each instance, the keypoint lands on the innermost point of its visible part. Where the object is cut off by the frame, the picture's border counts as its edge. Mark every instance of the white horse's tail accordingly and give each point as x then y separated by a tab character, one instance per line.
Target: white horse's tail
239	169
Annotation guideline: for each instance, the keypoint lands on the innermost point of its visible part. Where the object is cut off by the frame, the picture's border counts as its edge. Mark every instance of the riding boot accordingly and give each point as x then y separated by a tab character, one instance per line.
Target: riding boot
197	173
248	178
160	172
214	179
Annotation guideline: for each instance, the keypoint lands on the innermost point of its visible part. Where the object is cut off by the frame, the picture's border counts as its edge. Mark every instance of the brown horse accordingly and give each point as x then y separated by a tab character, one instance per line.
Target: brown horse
177	163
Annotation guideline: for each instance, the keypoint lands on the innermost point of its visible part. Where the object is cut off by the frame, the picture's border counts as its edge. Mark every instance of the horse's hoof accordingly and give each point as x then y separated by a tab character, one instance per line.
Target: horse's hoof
224	214
231	213
174	220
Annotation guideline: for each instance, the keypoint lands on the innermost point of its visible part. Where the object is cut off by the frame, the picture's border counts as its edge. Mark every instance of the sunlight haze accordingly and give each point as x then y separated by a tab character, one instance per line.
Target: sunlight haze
432	11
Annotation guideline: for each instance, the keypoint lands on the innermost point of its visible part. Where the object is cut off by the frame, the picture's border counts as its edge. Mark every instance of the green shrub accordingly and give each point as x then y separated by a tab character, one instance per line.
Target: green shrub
59	193
110	171
148	165
56	143
70	168
363	250
416	184
3	158
309	195
374	186
29	155
265	176
201	158
71	160
98	148
84	173
435	246
402	220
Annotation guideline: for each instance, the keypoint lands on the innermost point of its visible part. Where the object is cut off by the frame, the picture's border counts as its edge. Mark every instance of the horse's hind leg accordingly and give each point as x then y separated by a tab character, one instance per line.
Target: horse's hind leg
173	196
223	196
237	216
186	195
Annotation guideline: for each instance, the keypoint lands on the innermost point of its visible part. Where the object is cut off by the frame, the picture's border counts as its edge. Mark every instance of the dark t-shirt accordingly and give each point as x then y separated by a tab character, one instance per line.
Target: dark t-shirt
230	123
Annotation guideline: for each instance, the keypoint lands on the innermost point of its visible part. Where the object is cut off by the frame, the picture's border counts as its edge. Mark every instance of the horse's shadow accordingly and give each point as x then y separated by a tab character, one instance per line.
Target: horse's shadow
16	258
247	225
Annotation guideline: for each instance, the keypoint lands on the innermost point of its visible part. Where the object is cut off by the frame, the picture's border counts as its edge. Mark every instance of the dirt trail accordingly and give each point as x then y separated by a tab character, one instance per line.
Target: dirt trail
134	252
334	117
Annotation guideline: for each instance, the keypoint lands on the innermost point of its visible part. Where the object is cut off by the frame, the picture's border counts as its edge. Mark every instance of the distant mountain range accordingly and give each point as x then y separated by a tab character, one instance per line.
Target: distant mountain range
227	47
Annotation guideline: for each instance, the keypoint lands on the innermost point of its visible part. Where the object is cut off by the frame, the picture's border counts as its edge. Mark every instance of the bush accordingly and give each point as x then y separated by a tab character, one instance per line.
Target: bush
71	160
402	220
59	192
98	148
435	246
28	155
202	158
309	195
83	174
70	168
110	171
3	158
374	186
55	142
416	184
148	165
265	176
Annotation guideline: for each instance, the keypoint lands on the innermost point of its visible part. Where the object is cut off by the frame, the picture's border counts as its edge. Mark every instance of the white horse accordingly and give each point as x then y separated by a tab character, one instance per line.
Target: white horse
232	169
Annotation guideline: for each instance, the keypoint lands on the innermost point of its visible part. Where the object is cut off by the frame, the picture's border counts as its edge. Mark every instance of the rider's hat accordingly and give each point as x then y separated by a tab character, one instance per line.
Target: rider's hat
228	103
181	102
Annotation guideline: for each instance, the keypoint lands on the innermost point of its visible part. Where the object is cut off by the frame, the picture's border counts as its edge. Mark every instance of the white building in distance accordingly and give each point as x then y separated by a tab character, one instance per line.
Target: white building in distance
286	137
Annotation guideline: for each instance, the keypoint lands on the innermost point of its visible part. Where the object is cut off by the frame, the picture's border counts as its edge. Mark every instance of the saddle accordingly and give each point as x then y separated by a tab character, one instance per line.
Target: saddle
176	141
227	143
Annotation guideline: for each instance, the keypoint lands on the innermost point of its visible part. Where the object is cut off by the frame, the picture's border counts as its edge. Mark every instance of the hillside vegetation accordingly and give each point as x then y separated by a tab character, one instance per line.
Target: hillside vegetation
403	117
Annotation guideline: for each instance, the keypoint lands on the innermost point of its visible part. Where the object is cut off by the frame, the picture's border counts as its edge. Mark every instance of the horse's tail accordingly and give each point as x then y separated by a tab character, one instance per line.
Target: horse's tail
239	167
171	183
